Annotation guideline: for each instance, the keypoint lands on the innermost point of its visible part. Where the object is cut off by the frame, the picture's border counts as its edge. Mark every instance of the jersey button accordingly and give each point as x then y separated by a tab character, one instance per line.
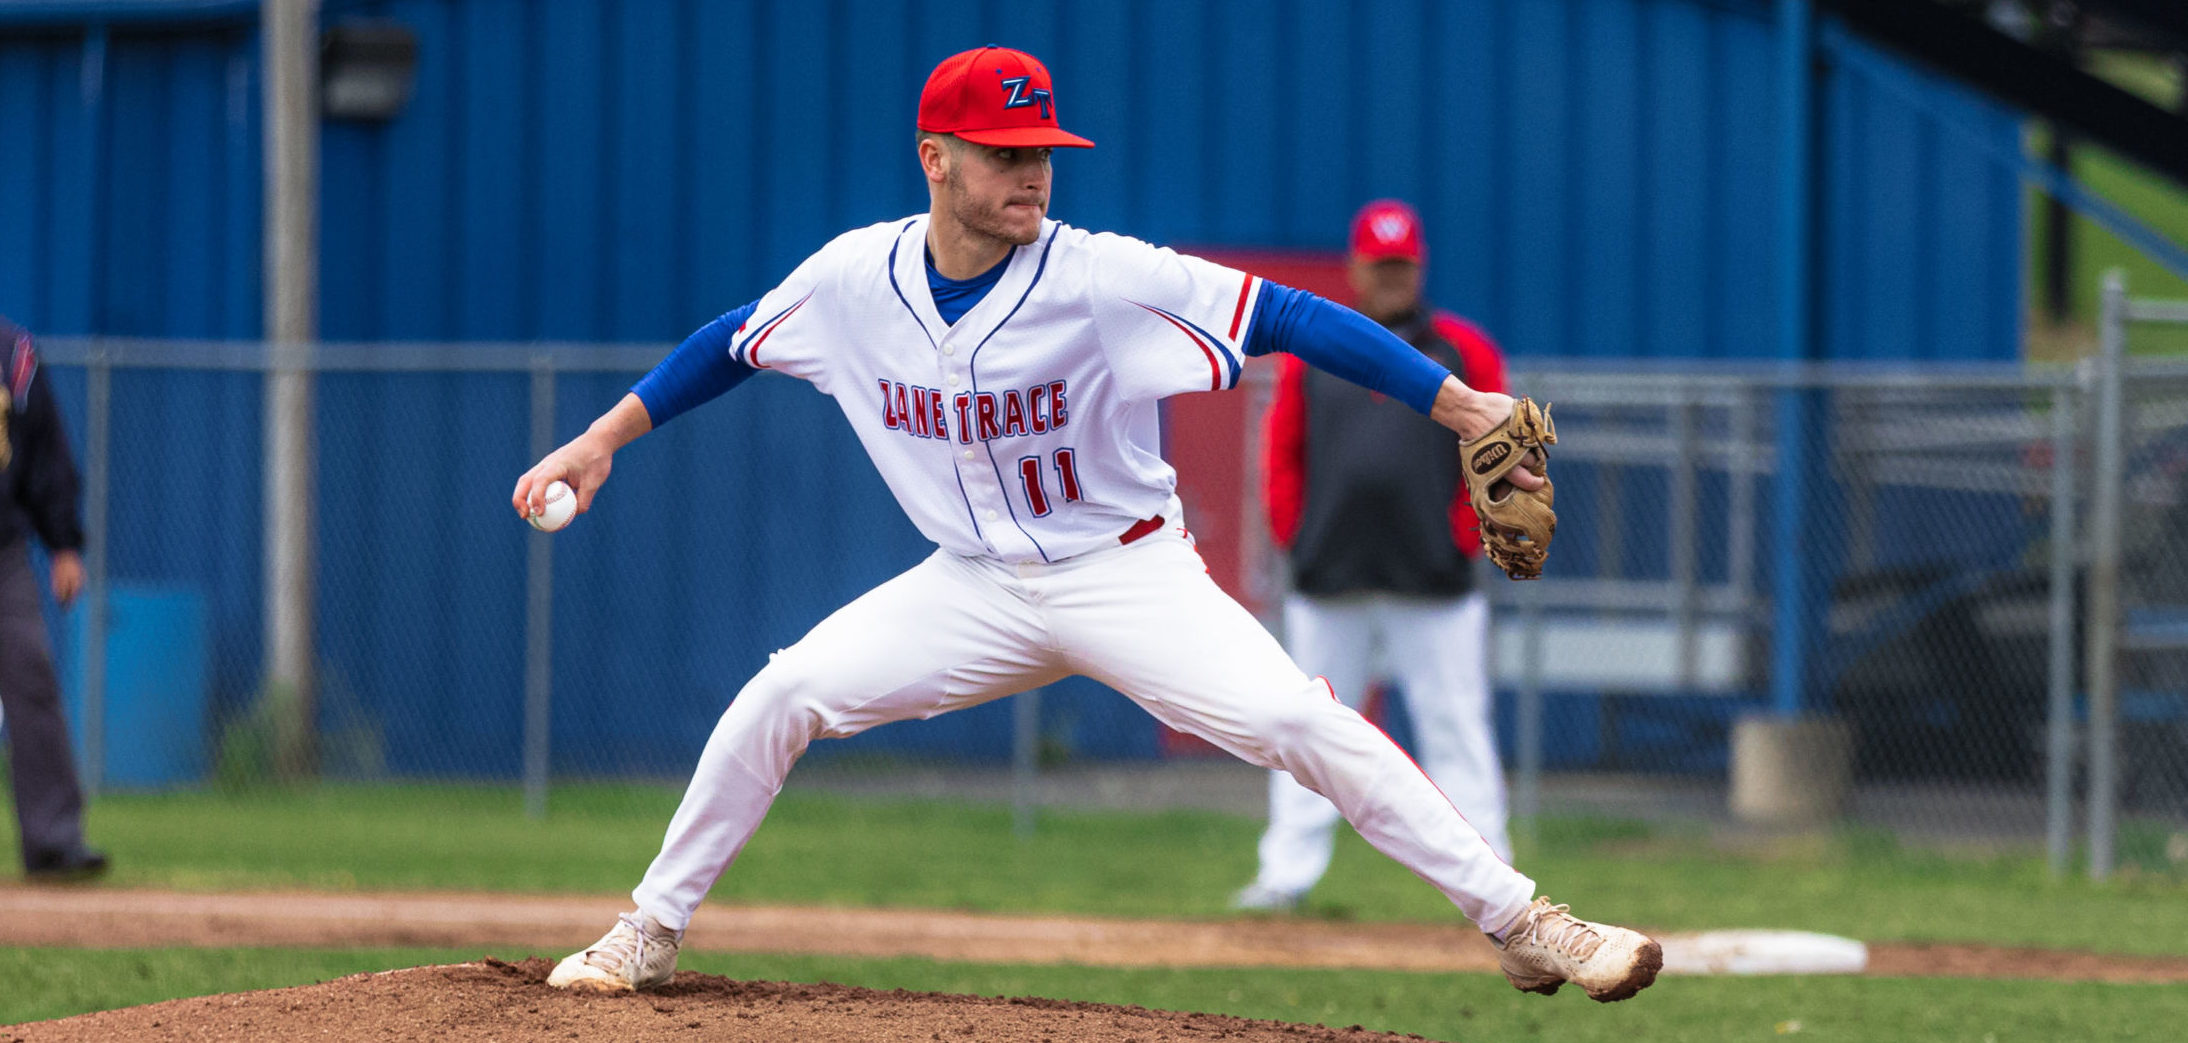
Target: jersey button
992	515
968	454
953	380
949	349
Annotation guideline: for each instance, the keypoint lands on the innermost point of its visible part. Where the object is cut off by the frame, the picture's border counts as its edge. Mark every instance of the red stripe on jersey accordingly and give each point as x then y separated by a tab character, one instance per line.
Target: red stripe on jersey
752	353
1215	368
1238	314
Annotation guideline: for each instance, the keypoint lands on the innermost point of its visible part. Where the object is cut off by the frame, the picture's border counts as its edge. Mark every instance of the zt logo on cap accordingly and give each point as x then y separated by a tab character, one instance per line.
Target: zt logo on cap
1016	96
1389	228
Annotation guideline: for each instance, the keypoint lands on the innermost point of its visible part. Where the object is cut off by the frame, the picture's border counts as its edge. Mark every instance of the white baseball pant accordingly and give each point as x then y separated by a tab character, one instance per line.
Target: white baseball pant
1143	618
1436	649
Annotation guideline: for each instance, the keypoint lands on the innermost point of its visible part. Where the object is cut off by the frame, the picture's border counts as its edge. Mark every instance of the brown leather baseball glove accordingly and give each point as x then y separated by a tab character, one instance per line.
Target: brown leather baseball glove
1516	524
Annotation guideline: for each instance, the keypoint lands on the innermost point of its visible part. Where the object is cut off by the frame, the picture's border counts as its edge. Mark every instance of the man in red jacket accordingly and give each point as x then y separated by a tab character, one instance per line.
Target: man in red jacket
1365	497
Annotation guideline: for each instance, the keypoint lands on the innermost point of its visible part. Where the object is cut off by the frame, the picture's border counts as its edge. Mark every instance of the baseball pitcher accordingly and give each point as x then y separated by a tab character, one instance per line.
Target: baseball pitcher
1003	370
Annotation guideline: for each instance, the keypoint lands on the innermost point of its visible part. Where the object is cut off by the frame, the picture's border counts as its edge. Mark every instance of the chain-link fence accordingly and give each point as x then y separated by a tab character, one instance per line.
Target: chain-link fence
1924	531
1922	557
440	622
2138	748
1866	545
2152	696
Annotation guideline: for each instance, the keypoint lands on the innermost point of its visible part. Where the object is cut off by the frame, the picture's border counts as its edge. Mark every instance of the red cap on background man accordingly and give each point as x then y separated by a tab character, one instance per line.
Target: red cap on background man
1387	229
994	96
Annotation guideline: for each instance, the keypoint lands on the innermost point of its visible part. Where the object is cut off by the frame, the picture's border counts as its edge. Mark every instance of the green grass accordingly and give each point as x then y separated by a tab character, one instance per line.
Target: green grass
818	848
2156	201
2155	79
48	983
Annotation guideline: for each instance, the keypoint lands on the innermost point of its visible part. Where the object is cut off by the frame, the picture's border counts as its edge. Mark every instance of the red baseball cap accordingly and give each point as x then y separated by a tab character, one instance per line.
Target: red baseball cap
1388	229
994	96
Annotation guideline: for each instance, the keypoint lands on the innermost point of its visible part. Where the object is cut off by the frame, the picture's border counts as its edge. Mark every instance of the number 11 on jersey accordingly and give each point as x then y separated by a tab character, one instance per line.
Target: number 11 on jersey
1067	478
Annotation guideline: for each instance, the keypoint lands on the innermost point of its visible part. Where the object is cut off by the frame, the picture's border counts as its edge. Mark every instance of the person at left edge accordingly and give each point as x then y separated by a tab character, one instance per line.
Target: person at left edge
40	500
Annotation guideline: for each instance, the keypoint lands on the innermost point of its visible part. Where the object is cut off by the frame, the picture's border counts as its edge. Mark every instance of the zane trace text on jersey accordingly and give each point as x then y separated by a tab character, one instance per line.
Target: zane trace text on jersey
981	416
1029	430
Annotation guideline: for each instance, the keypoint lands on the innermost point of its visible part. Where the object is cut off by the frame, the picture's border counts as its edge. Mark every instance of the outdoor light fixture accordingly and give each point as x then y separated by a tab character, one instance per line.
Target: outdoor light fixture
367	69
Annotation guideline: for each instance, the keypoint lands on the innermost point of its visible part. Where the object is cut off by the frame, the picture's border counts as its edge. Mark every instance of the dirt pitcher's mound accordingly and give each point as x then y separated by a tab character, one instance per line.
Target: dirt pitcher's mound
509	1002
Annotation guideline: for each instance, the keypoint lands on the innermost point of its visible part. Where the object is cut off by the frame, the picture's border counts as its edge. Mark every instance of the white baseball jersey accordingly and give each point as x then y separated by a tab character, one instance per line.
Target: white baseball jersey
1028	431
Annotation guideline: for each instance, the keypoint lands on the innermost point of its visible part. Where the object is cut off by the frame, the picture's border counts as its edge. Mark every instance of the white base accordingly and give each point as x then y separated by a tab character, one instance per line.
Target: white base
1762	952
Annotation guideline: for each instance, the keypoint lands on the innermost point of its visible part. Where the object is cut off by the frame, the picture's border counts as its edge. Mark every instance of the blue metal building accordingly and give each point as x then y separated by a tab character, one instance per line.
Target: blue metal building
1599	178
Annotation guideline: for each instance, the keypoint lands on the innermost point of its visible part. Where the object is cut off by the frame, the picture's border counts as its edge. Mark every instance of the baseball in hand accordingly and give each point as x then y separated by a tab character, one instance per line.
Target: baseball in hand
561	507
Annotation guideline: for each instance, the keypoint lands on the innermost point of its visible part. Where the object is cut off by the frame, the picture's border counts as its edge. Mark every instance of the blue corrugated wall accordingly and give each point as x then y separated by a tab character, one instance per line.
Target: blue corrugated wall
1596	174
1597	177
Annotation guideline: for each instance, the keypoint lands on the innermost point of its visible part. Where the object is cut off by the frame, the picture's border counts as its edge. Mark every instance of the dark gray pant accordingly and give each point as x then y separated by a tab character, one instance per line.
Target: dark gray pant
48	804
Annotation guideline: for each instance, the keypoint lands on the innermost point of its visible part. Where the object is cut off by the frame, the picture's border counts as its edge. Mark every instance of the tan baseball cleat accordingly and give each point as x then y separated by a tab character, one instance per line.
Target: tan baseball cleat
1548	946
638	954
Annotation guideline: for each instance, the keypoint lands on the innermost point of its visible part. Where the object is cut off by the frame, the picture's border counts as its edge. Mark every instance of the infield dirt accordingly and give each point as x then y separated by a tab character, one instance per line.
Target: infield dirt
494	1000
81	917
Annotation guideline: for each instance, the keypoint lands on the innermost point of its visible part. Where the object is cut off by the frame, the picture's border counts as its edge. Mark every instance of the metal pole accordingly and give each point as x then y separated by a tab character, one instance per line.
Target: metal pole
1857	474
1527	800
98	450
1261	575
1795	617
2104	581
1740	471
289	32
1610	559
1025	762
2058	264
539	613
2060	34
91	86
1610	540
1685	556
2059	745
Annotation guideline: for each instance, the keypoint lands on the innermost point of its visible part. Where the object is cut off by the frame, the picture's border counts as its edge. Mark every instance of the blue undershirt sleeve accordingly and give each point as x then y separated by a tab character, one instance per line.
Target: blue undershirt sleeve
1338	340
698	370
